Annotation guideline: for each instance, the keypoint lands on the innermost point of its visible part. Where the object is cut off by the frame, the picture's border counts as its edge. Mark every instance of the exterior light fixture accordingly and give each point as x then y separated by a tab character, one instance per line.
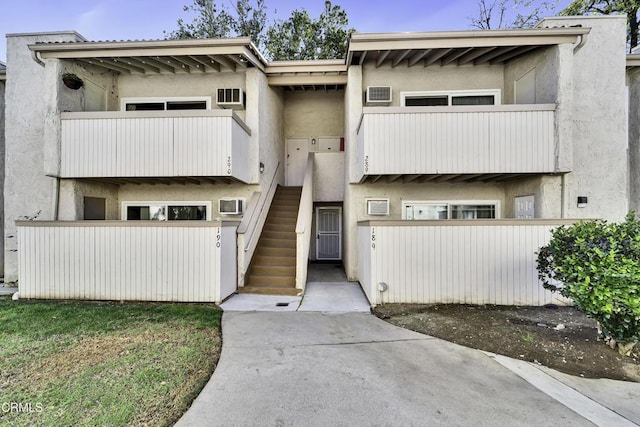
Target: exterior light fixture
261	167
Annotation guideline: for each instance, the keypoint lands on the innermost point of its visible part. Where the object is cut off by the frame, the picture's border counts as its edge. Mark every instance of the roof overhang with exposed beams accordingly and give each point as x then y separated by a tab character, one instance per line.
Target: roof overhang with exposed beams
456	47
157	56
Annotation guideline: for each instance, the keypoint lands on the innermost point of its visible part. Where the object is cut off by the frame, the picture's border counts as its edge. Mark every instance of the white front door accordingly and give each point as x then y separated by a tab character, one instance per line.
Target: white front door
297	153
329	233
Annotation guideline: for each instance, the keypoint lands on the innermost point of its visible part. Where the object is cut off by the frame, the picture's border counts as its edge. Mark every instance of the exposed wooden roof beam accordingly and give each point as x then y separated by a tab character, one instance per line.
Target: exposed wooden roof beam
208	66
445	178
427	178
465	178
237	60
142	64
98	65
465	59
362	57
223	61
435	56
392	178
409	178
156	62
377	178
454	55
418	56
400	57
105	64
181	66
493	54
510	55
381	57
190	63
121	62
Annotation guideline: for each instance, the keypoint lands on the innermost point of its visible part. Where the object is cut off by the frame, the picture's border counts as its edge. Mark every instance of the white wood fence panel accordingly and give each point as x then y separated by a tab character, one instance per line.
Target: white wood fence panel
124	261
155	144
474	262
436	140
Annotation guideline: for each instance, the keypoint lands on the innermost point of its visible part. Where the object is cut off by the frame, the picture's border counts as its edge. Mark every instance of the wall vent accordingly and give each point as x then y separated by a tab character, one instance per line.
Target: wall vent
378	207
377	95
230	206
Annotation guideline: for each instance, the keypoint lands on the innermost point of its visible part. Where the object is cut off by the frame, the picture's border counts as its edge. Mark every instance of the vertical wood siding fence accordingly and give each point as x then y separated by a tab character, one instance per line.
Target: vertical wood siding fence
155	144
456	261
118	260
457	140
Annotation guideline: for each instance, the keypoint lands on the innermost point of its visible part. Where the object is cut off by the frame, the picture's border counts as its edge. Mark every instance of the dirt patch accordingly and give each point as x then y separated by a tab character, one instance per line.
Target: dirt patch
561	338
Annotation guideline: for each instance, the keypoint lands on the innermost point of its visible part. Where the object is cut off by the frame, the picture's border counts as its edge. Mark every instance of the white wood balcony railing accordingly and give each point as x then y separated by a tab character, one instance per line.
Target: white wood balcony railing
156	144
502	139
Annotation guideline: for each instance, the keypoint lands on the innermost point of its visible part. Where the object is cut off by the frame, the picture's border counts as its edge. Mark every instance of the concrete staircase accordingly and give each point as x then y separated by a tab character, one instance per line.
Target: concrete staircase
273	267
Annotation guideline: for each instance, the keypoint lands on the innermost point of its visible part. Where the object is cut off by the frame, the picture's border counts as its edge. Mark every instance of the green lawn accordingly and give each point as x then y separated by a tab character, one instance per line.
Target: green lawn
89	363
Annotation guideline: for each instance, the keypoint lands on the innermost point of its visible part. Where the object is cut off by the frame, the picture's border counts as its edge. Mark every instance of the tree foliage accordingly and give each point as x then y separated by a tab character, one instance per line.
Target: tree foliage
497	14
210	21
609	7
301	37
597	265
297	37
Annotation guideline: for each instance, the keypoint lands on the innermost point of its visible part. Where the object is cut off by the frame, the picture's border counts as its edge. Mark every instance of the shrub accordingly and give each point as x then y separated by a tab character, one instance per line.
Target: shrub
597	265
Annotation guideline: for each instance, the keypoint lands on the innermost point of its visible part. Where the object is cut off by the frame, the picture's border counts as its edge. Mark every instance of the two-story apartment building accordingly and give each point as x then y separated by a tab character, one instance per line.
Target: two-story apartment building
431	164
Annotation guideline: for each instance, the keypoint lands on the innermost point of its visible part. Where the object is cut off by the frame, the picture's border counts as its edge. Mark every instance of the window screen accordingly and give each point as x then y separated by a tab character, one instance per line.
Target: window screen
426	101
473	100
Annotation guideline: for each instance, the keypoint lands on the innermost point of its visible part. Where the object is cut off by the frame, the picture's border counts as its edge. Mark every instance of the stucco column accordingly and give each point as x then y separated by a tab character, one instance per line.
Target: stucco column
352	111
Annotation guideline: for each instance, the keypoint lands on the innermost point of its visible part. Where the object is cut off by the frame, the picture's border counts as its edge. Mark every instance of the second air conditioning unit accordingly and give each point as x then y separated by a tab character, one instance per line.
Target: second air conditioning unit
231	98
378	95
230	206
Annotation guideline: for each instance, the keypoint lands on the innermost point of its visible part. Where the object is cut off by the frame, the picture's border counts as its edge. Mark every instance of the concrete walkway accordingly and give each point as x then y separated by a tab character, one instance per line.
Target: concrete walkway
315	368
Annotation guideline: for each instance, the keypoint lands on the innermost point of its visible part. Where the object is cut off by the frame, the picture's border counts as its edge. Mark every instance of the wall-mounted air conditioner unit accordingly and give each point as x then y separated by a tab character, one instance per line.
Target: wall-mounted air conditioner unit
378	95
231	98
230	206
377	206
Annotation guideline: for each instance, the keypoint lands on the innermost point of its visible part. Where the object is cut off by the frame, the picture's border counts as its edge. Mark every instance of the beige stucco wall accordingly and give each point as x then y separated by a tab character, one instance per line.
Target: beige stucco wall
179	85
545	62
547	192
598	120
312	114
32	103
73	192
265	110
432	78
188	192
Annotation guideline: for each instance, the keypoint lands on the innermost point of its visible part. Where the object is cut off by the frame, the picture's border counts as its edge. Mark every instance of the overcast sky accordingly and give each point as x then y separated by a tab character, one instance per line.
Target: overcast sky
146	19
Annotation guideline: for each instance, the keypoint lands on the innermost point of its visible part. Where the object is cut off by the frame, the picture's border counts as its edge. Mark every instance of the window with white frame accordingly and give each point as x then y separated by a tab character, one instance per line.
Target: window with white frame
166	211
417	210
449	98
168	103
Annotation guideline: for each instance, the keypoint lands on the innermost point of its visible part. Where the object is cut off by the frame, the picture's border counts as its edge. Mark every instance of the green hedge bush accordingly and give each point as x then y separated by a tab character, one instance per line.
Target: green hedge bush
597	265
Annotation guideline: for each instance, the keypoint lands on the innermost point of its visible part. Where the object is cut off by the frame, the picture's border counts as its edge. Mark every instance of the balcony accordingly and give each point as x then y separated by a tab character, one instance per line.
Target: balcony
462	142
156	144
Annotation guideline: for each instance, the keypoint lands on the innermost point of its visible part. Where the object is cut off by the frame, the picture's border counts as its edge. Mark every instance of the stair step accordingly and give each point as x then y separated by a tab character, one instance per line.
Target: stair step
278	252
277	243
282	228
274	260
270	281
269	290
280	235
273	270
281	220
